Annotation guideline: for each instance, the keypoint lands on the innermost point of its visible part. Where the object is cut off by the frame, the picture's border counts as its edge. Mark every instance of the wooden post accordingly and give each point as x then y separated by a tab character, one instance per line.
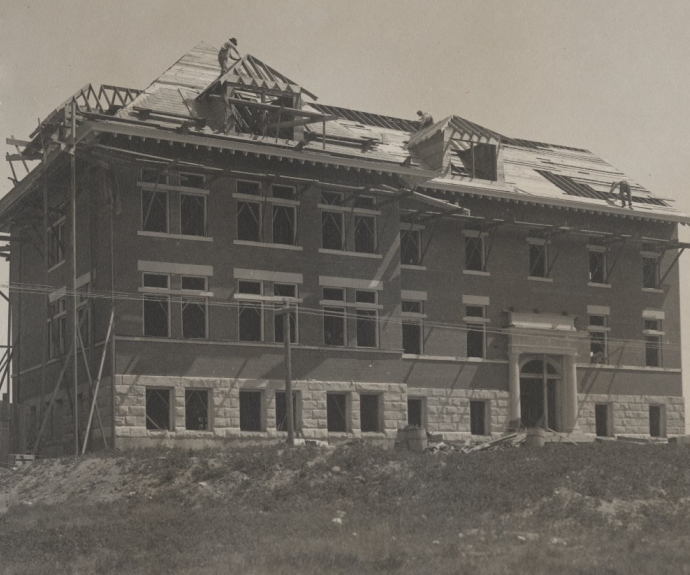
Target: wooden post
546	393
75	321
288	374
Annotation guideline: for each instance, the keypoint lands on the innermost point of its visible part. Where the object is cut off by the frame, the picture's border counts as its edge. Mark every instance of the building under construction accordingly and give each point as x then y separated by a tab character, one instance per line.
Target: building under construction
438	274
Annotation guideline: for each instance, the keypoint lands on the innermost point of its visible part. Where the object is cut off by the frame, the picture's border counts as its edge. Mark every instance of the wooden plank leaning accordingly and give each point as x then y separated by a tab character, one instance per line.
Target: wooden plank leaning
98	383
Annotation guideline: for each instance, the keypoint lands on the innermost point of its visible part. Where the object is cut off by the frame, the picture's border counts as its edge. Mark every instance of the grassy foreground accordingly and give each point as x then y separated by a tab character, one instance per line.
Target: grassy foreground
598	508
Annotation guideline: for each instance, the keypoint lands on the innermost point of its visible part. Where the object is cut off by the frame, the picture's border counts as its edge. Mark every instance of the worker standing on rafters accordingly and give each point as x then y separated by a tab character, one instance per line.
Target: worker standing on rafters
227	55
425	119
626	193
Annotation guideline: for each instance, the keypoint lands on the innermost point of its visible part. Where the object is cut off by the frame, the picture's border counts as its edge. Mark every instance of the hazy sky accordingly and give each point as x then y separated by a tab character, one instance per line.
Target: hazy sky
613	76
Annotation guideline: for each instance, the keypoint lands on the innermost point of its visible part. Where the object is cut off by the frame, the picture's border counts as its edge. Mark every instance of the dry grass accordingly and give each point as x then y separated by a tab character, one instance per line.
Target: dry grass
601	508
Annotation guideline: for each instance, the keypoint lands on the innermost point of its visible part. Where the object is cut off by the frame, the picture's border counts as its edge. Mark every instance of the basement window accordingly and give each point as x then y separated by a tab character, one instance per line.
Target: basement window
250	313
411	247
250	411
196	409
657	421
158	409
478	419
156	307
281	410
370	412
415	411
192	215
287	291
154	211
336	412
602	419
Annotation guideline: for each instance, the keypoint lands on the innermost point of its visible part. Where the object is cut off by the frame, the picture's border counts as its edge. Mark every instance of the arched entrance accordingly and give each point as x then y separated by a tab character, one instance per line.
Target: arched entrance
539	393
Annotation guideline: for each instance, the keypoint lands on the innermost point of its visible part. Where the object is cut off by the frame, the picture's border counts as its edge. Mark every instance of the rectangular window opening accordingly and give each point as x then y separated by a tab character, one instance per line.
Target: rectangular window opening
474	253
653	350
281	410
597	267
332	231
370	412
650	272
196	409
56	243
415	412
192	215
602	419
475	339
334	326
656	421
365	234
412	337
411	247
284	225
192	180
478	419
366	328
250	411
156	316
158	409
154	210
248	188
538	260
336	412
249	221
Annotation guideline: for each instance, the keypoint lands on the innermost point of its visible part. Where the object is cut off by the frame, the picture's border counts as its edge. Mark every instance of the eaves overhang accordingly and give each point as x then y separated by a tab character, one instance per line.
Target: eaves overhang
261	149
505	192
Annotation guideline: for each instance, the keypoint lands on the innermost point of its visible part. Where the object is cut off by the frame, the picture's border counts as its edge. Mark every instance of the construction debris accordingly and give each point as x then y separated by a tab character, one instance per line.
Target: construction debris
505	442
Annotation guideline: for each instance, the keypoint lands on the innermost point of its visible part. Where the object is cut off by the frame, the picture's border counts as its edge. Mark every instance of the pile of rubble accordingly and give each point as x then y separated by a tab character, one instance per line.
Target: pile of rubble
506	442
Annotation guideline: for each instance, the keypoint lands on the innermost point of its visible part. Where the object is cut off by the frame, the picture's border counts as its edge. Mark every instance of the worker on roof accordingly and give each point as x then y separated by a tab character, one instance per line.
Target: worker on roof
625	192
425	119
227	55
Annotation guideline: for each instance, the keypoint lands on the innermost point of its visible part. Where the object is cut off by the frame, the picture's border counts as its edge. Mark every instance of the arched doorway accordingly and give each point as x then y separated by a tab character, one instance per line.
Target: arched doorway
539	392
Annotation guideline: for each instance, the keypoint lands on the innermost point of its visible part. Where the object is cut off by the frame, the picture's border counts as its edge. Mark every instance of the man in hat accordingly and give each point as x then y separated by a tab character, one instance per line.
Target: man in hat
626	193
227	55
425	119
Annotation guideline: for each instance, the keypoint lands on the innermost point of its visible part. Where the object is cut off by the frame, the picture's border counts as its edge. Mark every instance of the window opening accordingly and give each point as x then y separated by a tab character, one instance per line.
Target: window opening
154	209
476	331
156	307
57	327
365	234
283	192
336	412
158	409
194	283
196	409
250	411
656	421
597	267
538	257
650	272
249	221
284	224
192	180
84	314
411	247
56	243
248	188
602	419
478	418
332	230
474	253
281	410
366	327
192	215
412	327
652	342
369	412
288	291
334	318
151	176
365	202
598	337
415	411
332	198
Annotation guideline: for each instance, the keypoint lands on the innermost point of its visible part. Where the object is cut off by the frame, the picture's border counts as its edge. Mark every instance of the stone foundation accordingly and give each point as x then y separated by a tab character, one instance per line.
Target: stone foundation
446	411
